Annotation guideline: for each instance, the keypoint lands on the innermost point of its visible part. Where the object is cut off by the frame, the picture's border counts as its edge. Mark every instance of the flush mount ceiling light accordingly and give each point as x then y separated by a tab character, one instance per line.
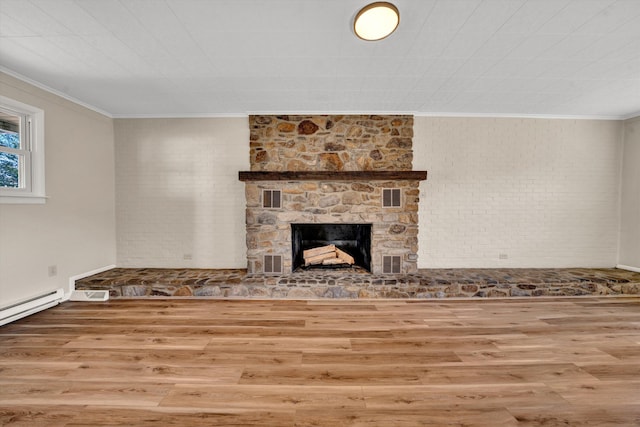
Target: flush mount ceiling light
376	21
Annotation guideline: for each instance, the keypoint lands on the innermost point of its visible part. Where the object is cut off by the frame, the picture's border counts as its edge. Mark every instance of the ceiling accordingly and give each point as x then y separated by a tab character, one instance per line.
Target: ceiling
159	58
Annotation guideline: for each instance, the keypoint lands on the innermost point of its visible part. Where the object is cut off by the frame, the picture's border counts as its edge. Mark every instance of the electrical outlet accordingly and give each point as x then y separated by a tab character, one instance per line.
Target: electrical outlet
187	256
53	270
503	256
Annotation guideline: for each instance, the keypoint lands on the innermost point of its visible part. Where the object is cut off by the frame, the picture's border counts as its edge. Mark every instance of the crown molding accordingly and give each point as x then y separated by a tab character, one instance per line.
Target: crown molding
301	113
632	116
54	91
521	116
181	116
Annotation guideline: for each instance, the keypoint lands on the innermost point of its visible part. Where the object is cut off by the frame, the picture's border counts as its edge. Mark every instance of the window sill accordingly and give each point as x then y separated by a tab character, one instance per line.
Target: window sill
23	200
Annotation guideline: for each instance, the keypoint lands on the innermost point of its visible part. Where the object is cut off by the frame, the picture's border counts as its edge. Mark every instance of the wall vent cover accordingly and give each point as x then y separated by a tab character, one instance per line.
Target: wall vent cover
391	264
273	264
391	198
271	199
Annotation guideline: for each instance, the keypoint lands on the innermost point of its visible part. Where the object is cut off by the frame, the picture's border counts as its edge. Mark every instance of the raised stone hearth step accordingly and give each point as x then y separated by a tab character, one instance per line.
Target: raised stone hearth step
312	284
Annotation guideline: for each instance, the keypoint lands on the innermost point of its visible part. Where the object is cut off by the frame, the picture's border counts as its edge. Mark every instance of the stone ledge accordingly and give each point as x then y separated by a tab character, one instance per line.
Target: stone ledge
332	175
426	284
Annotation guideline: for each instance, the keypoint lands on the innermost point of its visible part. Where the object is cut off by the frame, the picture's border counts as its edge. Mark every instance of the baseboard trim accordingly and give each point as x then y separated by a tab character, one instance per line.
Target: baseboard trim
628	267
73	279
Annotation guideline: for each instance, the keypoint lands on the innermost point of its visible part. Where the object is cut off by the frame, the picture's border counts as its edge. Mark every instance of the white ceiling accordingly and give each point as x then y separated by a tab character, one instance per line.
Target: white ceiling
133	58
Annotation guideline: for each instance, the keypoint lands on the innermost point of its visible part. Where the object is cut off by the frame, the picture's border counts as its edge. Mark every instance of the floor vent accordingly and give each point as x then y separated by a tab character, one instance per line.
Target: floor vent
89	295
30	306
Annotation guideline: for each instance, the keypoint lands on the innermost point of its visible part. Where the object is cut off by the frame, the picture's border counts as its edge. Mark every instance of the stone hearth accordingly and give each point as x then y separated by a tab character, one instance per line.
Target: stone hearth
426	283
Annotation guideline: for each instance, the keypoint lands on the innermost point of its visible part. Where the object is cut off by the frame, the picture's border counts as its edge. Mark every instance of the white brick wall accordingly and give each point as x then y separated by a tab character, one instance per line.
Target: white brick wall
630	203
178	193
544	193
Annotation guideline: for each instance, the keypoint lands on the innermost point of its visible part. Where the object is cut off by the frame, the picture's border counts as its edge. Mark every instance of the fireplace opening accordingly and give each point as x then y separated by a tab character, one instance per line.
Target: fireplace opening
354	239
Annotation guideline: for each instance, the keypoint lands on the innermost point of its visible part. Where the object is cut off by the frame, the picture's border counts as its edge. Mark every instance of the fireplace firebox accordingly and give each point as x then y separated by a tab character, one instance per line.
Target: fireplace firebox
354	239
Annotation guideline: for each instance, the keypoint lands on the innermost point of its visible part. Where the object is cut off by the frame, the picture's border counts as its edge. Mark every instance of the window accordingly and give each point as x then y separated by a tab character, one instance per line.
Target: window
391	198
271	199
21	153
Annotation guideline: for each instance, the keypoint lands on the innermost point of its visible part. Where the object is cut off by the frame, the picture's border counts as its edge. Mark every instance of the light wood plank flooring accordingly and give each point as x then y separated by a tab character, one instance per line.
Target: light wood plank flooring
542	362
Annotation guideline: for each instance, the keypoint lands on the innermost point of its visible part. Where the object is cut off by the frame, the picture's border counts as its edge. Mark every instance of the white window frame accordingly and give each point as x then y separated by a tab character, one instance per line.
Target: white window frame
32	189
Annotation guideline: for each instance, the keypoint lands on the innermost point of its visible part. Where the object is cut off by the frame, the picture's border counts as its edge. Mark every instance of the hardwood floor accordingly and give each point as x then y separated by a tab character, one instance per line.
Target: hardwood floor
542	362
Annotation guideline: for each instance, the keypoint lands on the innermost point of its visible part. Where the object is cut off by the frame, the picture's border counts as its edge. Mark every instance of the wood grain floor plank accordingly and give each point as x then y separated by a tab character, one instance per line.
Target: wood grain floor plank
232	356
549	354
119	416
139	342
81	393
379	358
613	371
265	398
406	418
261	345
465	396
616	392
584	415
331	374
501	373
422	345
621	349
112	371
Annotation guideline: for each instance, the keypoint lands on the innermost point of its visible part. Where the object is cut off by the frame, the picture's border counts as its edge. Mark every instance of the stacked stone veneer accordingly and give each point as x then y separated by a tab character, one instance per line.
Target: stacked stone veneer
394	230
332	143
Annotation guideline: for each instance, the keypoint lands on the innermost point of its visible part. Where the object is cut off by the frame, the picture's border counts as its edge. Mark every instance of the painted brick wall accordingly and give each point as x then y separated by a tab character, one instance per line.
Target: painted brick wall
630	202
543	193
178	194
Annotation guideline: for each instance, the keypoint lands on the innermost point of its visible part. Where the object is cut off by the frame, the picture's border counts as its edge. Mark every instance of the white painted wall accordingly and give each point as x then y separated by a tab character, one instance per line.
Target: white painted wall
178	192
75	229
630	196
543	192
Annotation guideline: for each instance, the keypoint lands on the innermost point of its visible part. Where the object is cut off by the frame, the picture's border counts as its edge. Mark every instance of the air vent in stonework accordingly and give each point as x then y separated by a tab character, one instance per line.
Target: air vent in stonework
391	198
273	264
391	264
271	199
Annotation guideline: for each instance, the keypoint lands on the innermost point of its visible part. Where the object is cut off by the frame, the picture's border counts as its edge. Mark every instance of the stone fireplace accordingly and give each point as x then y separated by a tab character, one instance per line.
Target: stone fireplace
322	175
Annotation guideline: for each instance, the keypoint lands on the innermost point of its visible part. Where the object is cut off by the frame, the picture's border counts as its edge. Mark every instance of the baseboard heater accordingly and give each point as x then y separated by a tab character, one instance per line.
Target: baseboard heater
30	306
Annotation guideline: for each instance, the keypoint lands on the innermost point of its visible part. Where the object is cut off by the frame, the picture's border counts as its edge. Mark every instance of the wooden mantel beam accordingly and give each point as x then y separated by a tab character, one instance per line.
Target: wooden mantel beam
332	175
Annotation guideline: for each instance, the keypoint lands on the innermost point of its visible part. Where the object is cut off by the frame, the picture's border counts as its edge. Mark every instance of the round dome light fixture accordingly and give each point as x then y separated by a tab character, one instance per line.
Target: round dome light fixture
376	21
